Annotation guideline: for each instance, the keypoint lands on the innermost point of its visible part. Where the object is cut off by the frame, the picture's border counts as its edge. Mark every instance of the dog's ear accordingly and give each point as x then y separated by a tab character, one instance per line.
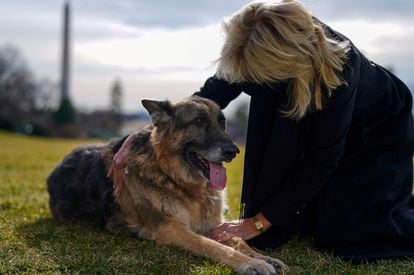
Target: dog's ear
160	111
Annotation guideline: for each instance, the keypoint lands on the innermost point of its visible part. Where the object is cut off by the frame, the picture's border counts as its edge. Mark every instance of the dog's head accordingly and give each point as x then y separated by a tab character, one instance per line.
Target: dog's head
190	140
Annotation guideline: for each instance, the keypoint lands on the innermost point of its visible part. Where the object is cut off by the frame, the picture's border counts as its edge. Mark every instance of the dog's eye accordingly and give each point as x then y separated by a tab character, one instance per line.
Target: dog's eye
222	122
200	121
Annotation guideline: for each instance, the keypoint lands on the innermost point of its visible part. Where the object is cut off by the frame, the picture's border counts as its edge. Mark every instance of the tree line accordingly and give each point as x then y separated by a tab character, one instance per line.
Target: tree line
32	106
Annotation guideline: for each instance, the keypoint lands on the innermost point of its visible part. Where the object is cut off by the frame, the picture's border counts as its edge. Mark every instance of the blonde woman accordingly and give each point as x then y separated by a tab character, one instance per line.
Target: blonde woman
330	136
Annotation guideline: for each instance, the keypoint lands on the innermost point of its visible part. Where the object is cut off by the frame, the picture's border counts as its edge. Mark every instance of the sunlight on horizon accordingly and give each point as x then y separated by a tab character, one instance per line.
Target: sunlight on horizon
157	50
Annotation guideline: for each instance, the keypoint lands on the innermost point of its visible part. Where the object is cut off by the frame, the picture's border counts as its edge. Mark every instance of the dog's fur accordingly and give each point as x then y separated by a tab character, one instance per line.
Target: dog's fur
164	196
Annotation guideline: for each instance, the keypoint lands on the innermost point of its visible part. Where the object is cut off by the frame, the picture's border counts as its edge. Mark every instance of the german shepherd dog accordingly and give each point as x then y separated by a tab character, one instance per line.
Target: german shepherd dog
170	191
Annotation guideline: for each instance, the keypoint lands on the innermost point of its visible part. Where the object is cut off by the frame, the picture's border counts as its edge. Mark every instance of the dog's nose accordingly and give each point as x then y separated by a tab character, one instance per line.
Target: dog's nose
229	151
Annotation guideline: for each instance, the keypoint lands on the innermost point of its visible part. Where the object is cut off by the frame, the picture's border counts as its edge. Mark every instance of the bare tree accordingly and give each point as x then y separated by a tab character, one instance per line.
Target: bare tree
17	85
116	97
116	106
25	103
47	95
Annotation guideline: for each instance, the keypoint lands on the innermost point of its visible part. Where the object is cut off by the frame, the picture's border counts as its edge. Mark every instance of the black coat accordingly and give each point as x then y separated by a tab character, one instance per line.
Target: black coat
343	174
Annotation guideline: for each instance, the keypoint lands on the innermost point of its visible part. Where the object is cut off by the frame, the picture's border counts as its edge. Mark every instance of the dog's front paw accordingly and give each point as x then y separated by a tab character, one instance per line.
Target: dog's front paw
257	267
279	266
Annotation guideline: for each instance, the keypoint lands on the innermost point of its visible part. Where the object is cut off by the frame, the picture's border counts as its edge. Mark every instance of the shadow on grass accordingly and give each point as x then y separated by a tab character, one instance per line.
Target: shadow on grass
85	249
78	248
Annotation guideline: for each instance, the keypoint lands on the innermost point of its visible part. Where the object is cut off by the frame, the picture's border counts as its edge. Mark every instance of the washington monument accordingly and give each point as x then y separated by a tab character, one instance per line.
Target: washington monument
65	73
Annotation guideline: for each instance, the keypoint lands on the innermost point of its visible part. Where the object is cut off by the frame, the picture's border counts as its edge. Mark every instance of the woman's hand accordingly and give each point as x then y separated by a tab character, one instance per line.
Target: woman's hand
243	229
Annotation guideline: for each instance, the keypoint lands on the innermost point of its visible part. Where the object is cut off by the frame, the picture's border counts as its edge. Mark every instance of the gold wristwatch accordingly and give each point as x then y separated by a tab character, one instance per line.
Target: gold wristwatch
258	224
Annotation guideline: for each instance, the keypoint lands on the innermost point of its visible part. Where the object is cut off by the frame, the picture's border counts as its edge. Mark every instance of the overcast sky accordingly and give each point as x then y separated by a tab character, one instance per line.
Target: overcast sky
164	49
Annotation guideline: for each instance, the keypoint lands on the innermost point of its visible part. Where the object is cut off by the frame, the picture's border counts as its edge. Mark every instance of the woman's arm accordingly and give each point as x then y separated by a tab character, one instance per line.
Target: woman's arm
220	91
325	144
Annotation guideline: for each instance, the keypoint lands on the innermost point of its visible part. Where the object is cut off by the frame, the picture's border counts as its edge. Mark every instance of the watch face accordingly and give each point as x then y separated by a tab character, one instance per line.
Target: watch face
258	225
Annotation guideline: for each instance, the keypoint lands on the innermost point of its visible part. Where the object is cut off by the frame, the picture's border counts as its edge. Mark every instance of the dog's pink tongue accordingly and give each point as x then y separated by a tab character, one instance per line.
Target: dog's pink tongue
218	177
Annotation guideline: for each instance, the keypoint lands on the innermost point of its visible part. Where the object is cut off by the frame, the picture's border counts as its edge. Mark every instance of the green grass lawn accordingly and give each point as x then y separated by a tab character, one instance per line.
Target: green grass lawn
32	242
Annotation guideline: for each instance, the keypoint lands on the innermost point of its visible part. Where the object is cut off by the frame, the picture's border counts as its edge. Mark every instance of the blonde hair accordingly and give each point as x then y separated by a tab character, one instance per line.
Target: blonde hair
271	42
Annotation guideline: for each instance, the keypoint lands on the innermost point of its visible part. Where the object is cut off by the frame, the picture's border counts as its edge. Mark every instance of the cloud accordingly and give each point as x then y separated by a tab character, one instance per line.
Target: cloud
160	13
377	10
162	48
396	50
155	49
190	13
400	45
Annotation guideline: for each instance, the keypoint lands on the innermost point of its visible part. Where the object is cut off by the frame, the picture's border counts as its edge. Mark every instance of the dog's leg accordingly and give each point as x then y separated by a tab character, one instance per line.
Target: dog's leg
180	236
243	247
